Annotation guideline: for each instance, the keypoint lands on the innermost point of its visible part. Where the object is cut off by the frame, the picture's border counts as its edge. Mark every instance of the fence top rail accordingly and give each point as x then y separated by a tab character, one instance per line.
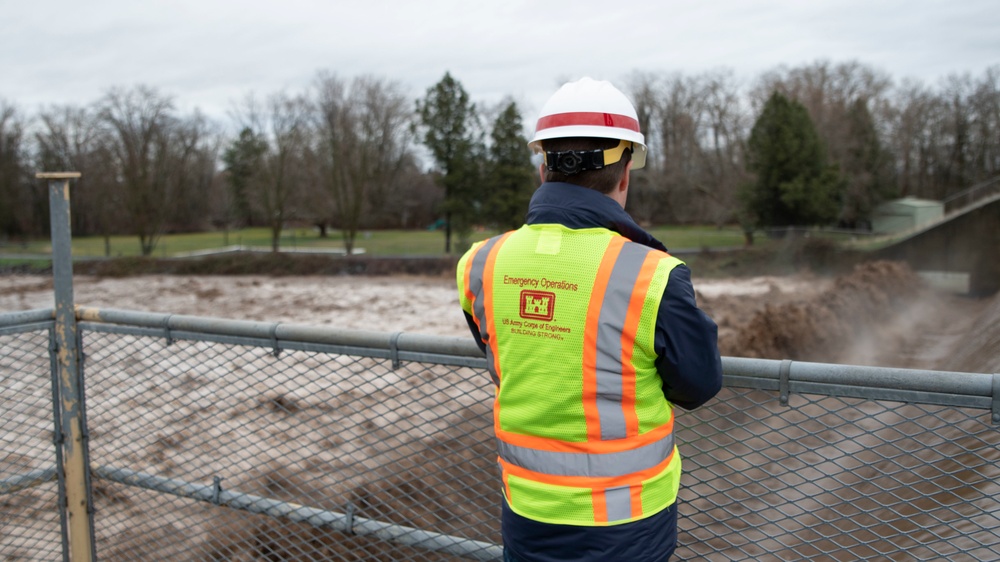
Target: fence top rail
26	317
919	380
401	341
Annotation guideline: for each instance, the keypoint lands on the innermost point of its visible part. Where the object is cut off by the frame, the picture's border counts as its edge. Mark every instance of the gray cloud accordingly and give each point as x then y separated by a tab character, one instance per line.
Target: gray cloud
208	53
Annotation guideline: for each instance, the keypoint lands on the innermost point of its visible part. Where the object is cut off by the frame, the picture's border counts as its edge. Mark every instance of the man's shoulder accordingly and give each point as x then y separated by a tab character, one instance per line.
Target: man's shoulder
477	246
665	258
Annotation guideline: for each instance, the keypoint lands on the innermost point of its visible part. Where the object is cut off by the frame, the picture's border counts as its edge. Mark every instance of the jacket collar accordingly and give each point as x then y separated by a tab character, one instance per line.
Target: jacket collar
578	207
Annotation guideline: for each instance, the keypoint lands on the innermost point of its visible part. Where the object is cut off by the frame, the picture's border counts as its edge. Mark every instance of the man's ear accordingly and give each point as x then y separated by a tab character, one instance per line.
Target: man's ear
623	184
620	192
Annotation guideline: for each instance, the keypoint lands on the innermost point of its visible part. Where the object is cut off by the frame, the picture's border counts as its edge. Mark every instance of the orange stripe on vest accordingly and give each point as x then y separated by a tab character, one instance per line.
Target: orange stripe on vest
591	414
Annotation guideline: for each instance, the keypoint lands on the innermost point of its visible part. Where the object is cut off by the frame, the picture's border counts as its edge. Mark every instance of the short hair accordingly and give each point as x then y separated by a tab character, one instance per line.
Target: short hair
603	180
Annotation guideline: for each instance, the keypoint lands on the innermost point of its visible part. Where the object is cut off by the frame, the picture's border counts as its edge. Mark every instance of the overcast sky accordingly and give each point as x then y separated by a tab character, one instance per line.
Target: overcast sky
210	53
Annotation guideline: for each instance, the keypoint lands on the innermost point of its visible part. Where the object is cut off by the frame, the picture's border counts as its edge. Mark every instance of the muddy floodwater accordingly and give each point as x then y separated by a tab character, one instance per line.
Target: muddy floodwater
877	316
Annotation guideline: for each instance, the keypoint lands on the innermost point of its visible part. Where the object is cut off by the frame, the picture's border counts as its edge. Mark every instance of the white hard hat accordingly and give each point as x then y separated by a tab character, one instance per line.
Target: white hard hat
590	108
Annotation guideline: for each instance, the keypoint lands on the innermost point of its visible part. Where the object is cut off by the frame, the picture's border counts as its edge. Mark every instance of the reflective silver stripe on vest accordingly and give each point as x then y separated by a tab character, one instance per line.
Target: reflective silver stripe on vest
611	324
584	464
478	306
619	503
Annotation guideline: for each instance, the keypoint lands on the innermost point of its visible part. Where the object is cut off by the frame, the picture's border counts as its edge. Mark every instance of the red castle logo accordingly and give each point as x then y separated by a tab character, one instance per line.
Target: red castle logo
538	305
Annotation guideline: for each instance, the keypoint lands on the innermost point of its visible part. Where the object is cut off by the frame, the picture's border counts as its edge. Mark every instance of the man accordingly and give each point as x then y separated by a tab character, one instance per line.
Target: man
591	334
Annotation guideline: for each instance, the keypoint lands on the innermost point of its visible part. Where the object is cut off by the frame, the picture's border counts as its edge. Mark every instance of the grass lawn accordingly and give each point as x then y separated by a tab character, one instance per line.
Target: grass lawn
769	255
375	242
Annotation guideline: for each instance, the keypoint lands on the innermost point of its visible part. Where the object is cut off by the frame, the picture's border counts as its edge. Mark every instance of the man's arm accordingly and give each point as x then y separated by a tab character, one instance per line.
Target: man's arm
475	332
686	345
463	298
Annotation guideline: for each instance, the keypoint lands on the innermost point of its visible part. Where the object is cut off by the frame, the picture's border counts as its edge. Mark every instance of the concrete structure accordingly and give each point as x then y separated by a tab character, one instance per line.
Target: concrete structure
966	241
906	213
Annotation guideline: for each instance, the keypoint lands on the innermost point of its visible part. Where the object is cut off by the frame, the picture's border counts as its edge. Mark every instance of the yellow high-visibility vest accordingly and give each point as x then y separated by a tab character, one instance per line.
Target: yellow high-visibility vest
584	433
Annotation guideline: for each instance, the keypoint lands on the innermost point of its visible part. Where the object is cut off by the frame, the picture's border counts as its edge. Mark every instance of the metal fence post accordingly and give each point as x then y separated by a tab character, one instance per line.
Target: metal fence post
996	399
57	441
74	436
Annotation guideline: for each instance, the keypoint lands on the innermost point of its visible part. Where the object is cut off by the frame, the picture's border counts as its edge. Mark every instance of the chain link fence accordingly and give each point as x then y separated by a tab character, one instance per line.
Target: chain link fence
30	523
216	439
265	427
833	478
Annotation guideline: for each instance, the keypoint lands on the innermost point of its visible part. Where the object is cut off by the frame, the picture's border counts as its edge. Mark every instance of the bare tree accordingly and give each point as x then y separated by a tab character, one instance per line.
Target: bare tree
726	125
416	198
140	124
643	88
945	141
985	103
956	130
316	200
364	142
70	138
695	128
681	122
911	140
194	153
647	188
967	130
276	186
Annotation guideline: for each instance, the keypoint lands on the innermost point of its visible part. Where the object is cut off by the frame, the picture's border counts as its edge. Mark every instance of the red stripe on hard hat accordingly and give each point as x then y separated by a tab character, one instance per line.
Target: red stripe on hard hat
587	118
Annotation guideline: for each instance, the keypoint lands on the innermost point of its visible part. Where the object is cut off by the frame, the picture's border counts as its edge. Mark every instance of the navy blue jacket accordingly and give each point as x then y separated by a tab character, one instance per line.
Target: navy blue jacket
688	362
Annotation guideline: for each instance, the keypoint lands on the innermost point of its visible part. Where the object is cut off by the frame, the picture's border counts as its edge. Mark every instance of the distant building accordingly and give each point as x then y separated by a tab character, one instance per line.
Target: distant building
906	213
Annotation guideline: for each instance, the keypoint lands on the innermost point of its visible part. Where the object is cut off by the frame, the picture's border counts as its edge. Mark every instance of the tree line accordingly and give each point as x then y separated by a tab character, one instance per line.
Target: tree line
818	144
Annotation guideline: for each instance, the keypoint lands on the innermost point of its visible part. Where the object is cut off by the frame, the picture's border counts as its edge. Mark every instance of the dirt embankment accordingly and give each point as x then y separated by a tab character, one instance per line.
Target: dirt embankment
821	328
879	314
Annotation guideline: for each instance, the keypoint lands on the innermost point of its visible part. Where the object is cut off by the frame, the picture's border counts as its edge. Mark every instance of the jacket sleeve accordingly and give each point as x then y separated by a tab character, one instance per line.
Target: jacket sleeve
686	345
463	300
475	332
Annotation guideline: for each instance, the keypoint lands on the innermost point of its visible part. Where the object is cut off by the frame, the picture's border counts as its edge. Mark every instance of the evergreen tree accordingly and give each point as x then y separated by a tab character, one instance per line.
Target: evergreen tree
15	205
511	178
794	186
450	127
242	160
